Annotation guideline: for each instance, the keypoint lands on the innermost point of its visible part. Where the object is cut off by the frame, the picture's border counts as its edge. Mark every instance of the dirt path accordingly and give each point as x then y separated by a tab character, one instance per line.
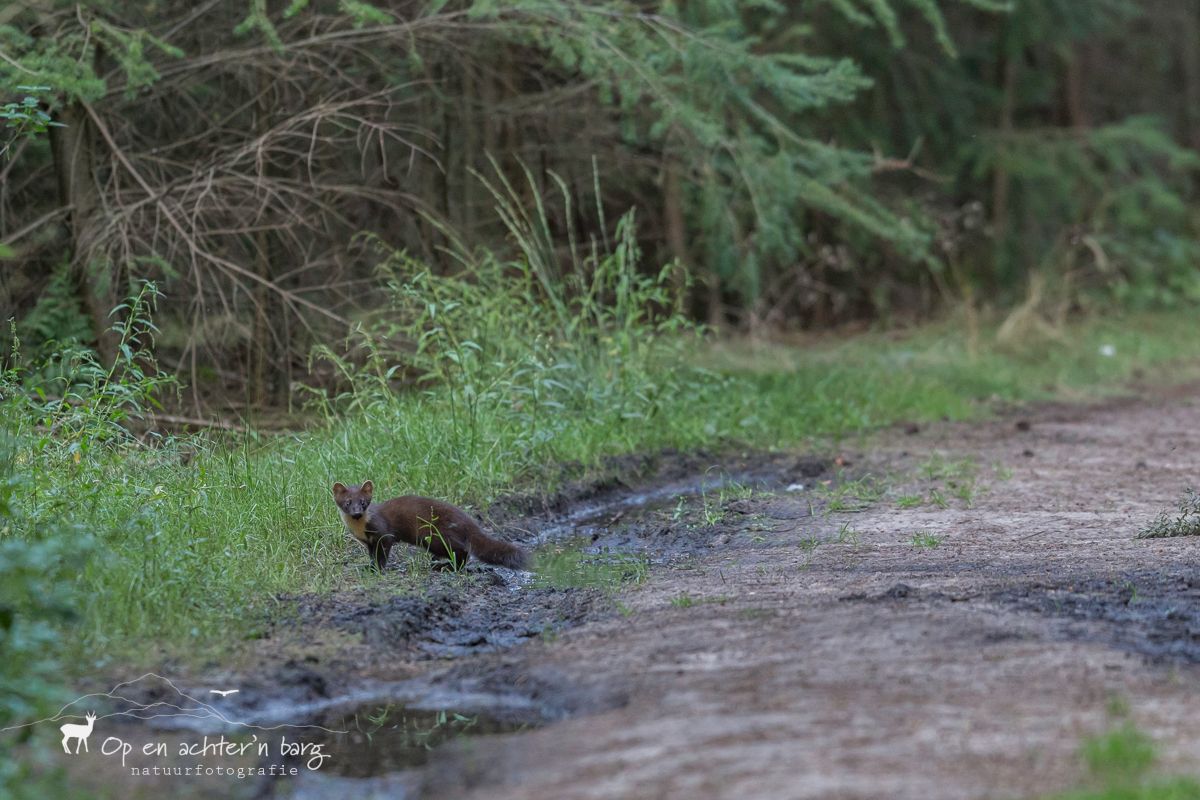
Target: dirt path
867	666
946	615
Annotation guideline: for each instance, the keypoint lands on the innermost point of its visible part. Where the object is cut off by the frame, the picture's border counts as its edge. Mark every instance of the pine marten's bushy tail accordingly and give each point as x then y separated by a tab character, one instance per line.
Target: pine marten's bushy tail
495	551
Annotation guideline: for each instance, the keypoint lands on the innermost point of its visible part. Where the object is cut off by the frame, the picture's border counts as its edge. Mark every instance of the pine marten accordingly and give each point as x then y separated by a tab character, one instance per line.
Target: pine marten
446	531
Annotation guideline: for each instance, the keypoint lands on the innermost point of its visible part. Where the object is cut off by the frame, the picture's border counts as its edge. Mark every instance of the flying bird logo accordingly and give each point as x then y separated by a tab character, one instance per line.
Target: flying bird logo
224	692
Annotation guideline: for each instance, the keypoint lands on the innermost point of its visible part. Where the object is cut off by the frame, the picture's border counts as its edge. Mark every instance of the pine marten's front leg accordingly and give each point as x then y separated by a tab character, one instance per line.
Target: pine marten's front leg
380	550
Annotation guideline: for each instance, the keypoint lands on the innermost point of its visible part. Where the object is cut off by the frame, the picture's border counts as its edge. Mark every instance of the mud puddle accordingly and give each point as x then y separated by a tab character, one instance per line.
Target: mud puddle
452	620
627	511
383	738
378	751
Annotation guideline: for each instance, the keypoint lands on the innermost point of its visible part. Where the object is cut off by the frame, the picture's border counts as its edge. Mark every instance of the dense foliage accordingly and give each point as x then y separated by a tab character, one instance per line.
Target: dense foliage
806	163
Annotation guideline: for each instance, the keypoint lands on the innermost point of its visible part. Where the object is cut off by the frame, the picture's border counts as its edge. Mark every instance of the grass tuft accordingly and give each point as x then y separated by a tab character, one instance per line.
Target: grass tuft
1119	763
1185	521
924	540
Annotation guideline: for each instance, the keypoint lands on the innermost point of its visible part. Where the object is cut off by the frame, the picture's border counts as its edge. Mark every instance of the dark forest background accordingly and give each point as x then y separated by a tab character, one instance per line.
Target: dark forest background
809	164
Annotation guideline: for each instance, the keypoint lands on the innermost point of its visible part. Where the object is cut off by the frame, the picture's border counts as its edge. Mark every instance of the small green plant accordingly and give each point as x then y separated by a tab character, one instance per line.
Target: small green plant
855	495
377	719
956	478
733	490
809	544
85	402
1129	588
415	729
924	540
1185	521
964	490
683	600
710	508
713	509
847	535
939	468
432	533
25	117
1122	754
680	508
910	501
1119	764
938	499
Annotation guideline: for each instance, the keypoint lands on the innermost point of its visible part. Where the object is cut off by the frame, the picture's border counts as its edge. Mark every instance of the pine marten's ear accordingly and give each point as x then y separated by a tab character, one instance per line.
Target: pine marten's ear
368	488
339	489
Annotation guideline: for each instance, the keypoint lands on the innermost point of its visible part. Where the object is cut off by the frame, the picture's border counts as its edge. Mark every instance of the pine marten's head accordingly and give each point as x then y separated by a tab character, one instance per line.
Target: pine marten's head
353	500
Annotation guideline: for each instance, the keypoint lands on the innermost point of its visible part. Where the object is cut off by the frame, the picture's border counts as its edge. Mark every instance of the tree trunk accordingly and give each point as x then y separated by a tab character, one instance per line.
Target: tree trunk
260	339
261	336
1190	58
74	151
1000	179
676	227
1073	96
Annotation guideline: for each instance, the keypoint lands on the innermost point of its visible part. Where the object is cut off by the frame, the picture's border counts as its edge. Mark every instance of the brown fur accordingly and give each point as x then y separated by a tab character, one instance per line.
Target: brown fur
446	531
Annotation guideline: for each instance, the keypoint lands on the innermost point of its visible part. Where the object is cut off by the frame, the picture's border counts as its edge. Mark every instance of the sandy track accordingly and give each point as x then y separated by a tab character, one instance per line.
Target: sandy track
871	668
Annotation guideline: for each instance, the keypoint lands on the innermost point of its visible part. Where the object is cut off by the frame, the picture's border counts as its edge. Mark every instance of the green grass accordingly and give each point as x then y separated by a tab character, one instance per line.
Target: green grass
1119	764
195	537
929	372
924	540
847	535
938	468
853	495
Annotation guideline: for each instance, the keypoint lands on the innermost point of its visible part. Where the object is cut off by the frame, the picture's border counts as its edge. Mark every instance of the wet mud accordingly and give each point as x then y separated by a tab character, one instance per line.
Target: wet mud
1154	613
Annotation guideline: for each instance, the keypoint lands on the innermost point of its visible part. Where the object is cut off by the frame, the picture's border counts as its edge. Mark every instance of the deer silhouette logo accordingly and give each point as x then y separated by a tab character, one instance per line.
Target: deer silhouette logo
78	732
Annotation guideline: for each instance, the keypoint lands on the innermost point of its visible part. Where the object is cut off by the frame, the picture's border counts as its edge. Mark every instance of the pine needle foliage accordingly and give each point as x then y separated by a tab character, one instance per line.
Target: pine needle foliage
806	163
698	78
1107	207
